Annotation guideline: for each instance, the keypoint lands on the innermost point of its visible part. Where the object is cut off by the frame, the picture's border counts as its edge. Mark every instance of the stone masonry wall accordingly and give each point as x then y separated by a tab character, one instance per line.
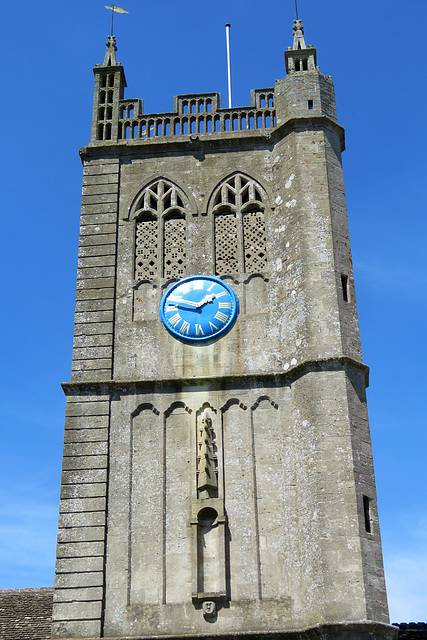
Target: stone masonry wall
94	320
79	576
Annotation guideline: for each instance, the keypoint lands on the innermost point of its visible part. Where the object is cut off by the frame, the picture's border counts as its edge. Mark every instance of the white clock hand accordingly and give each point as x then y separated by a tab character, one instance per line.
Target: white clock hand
206	299
182	301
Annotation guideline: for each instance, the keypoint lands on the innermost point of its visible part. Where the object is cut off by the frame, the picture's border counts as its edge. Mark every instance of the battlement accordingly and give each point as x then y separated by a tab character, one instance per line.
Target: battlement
193	114
303	93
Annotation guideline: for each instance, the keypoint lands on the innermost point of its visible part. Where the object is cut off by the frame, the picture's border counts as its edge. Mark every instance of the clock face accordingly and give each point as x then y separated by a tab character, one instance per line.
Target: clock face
199	309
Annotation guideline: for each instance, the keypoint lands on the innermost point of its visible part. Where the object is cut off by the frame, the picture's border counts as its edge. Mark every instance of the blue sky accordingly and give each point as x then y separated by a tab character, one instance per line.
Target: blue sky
375	54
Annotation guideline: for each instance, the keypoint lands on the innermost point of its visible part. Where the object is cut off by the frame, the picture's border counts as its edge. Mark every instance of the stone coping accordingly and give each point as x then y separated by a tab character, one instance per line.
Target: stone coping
242	380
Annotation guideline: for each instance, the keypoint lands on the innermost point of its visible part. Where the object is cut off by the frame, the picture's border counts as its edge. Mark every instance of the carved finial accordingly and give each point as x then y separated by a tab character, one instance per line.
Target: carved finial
299	42
110	54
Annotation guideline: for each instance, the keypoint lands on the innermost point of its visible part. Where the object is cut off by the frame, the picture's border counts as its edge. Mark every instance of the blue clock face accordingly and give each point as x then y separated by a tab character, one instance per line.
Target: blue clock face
199	309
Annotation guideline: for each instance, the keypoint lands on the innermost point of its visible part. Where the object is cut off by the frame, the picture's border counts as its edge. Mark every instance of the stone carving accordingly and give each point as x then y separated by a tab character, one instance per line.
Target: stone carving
298	29
209	609
207	482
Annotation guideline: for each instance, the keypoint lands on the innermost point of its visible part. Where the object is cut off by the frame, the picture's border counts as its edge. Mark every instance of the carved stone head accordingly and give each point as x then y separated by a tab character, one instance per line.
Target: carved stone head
209	609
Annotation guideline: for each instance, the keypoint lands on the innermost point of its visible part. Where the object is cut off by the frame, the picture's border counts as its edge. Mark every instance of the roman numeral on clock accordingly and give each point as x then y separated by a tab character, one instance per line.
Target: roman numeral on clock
184	327
222	317
199	330
175	319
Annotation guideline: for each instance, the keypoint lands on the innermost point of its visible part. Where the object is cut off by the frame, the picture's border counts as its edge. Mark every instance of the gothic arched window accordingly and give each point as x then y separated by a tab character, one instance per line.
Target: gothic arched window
160	232
239	227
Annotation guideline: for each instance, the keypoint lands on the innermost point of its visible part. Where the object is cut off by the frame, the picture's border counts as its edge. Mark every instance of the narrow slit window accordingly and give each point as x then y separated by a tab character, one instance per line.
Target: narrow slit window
310	104
344	286
367	514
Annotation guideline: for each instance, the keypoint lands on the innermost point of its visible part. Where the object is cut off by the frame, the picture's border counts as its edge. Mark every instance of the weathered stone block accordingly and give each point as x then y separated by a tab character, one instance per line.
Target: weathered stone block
92	365
79	565
87	272
99	188
78	595
103	340
81	504
84	476
85	519
86	435
94	235
95	490
76	629
96	261
94	179
77	610
92	406
89	251
93	316
88	376
108	198
89	329
95	283
98	214
89	353
82	534
96	417
92	448
84	462
80	549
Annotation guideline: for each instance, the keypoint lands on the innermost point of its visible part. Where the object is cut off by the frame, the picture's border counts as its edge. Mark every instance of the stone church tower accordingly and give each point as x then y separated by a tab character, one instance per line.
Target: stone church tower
217	475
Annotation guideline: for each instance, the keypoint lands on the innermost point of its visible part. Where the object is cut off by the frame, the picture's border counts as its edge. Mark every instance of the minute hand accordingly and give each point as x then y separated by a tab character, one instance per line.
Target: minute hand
206	299
182	301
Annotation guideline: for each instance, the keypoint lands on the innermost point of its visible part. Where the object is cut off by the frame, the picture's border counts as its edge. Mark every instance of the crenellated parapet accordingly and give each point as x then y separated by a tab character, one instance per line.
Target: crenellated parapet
193	114
304	92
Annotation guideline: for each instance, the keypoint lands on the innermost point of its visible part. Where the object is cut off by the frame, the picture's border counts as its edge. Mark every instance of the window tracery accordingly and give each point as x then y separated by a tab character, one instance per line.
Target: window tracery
160	233
239	226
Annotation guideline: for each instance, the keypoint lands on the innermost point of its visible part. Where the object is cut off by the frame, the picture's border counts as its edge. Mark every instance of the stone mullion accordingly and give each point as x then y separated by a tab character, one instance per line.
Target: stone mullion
239	224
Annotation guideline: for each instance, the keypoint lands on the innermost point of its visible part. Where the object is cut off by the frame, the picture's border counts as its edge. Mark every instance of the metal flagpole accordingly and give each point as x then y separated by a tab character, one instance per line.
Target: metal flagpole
227	35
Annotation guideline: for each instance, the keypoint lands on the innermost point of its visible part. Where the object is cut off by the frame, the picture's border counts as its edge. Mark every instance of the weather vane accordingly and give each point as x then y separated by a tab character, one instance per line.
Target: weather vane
116	10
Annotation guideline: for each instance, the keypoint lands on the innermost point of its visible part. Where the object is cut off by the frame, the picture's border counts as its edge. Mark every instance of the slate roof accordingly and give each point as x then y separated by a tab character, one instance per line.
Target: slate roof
25	614
412	630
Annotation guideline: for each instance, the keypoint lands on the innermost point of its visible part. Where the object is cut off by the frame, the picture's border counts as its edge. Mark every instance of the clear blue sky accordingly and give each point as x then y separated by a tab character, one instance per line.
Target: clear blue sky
375	52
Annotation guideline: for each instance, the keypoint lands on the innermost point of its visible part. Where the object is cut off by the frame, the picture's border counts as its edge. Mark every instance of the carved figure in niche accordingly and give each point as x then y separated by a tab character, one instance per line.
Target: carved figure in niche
207	482
209	609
